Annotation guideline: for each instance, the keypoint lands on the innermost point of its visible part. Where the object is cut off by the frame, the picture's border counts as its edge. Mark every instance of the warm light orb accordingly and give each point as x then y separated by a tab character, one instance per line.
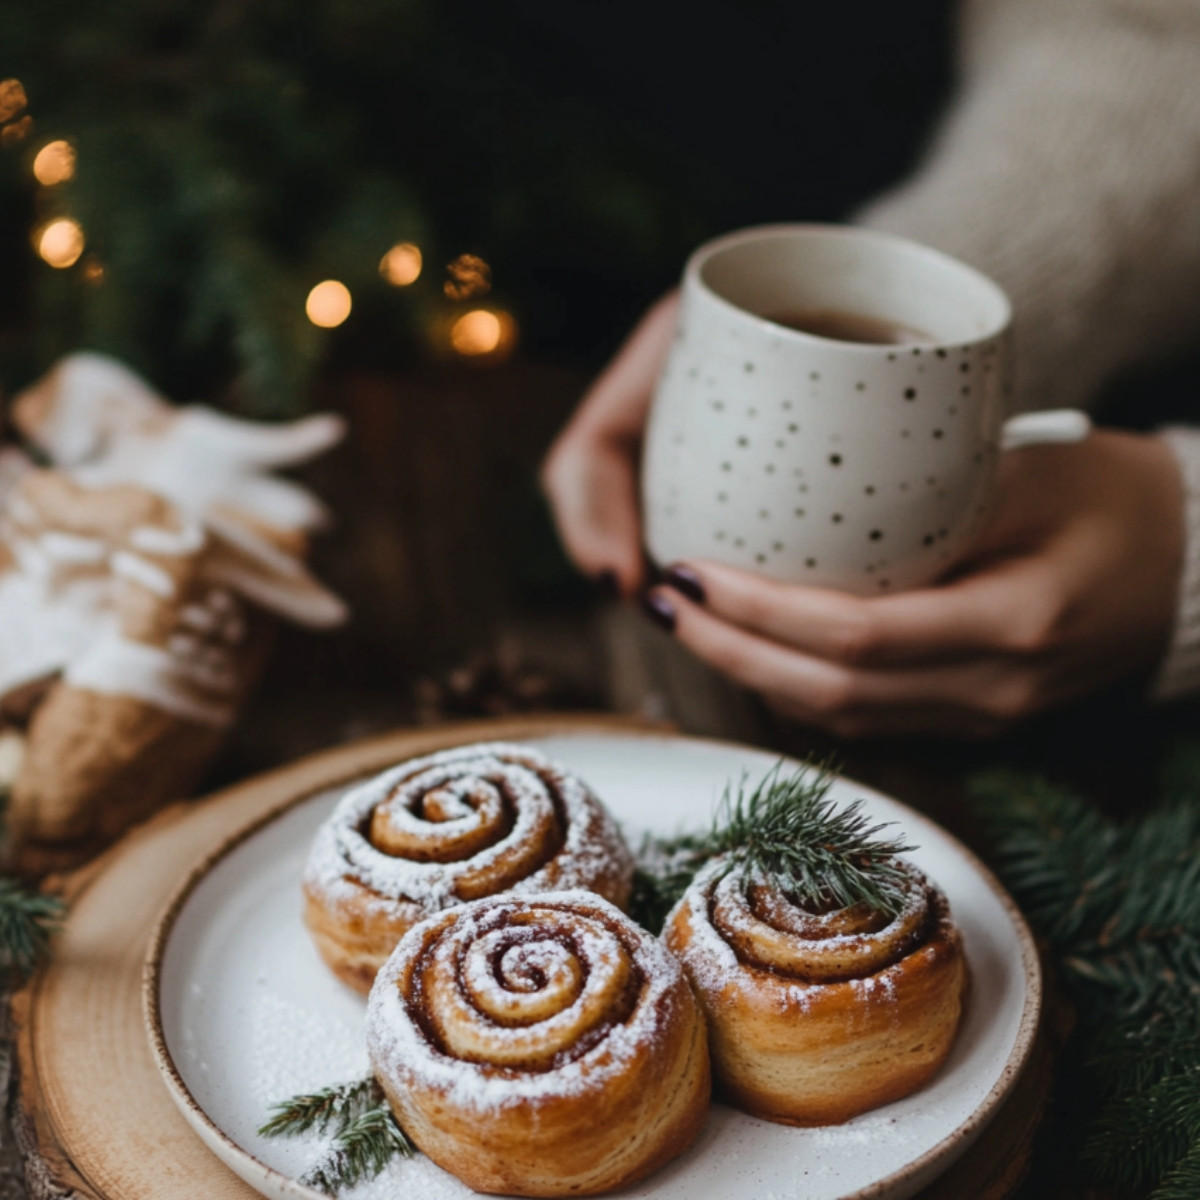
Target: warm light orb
401	265
12	98
328	304
467	277
482	332
61	242
92	270
55	163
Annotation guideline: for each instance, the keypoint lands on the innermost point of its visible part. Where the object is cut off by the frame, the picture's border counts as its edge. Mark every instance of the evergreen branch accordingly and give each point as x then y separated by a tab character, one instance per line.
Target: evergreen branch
1130	1056
1182	1181
366	1134
28	919
789	831
1053	850
1141	1136
665	868
333	1106
360	1151
1119	904
785	829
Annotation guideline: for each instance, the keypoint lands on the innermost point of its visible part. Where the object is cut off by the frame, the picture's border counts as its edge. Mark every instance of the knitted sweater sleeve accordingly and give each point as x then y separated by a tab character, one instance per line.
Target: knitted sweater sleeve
1068	169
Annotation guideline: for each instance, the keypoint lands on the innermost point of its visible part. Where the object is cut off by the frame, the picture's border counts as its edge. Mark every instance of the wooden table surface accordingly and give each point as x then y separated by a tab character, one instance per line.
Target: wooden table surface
93	1115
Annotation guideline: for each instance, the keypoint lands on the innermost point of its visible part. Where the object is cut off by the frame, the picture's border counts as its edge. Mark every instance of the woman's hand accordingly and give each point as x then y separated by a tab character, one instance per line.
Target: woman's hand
1073	586
590	474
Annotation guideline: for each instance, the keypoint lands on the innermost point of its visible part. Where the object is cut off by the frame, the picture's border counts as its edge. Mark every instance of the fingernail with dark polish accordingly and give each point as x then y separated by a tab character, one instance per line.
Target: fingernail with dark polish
683	579
660	610
606	585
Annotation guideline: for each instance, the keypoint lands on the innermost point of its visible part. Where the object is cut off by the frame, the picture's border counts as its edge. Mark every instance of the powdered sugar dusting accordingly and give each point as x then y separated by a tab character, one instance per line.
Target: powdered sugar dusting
726	935
769	931
560	835
402	1050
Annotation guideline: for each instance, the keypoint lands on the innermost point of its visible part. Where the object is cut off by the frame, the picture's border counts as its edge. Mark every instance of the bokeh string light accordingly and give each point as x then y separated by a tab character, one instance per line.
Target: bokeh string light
12	98
484	334
328	304
60	242
54	163
401	265
467	278
92	270
13	101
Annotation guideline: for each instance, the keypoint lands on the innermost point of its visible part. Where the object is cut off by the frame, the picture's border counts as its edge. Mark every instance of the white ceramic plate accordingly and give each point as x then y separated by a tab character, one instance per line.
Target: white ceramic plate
242	1013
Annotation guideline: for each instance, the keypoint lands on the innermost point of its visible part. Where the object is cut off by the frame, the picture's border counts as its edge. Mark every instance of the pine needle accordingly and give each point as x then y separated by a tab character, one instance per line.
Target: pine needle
366	1136
1182	1181
1130	1056
360	1151
1139	1137
1118	904
786	829
28	919
332	1107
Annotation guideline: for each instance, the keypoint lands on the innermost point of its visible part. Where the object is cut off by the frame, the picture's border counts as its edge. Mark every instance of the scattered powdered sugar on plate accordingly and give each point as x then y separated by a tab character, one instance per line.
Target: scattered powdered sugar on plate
660	783
292	1051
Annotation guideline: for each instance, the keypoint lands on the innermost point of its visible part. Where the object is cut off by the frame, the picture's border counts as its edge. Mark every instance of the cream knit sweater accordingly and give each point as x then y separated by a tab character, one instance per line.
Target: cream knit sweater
1068	169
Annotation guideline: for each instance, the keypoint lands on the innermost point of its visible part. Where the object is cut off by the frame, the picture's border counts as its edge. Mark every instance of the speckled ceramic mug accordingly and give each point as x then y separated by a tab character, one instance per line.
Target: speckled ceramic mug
864	466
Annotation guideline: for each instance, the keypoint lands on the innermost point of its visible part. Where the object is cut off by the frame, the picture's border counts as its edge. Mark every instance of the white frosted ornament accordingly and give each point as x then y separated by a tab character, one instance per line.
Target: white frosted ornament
94	417
130	576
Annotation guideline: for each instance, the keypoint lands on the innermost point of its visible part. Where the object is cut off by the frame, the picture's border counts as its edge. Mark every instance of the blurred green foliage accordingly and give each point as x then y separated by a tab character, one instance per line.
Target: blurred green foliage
230	155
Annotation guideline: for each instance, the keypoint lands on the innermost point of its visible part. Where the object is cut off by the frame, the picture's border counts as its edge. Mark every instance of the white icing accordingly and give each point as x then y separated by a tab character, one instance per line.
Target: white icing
154	539
198	617
117	666
142	572
299	598
44	627
72	548
32	558
61	606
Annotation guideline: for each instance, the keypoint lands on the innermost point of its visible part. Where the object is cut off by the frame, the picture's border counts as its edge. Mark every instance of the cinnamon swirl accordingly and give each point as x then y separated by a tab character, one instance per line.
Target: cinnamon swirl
434	832
815	1017
539	1045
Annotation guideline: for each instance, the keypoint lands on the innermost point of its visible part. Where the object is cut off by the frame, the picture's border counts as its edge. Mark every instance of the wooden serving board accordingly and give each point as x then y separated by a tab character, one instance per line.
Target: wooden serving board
93	1116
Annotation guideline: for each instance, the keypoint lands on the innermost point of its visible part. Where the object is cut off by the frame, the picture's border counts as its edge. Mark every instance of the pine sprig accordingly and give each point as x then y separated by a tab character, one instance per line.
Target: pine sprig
1182	1181
360	1151
786	828
366	1136
1140	1136
1132	1055
1118	905
332	1106
28	919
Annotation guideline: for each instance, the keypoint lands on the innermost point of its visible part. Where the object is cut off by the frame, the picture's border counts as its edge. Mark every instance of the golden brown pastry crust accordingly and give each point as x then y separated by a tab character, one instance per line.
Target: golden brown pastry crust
455	826
540	1045
813	1020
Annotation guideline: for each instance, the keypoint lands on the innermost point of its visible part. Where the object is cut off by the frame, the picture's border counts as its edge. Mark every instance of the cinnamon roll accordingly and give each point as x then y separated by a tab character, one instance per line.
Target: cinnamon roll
816	1016
436	831
539	1045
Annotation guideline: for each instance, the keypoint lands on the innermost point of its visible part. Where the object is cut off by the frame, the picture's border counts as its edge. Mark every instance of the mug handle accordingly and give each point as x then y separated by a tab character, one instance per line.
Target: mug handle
1054	425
